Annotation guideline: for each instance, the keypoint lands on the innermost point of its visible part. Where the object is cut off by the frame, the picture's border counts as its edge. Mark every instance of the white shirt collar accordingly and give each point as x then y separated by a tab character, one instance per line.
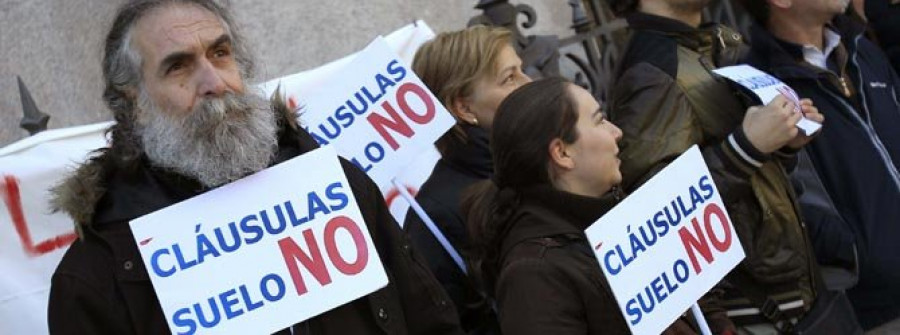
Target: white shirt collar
818	58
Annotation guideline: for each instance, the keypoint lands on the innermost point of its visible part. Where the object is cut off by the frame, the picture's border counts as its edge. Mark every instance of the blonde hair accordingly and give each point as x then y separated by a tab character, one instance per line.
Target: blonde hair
452	62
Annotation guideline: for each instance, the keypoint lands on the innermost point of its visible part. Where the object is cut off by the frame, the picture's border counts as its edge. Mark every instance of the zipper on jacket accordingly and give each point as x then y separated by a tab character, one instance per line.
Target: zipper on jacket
891	167
844	86
721	39
874	139
879	146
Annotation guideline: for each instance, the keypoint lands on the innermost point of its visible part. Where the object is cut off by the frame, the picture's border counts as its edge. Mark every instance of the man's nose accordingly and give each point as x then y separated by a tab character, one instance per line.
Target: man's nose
210	82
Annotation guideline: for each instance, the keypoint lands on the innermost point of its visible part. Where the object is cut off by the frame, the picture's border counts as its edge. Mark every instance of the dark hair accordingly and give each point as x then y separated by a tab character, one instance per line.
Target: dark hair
623	7
526	122
758	10
122	66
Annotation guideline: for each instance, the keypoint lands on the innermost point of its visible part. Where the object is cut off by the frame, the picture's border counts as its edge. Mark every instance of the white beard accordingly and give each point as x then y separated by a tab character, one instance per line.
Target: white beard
221	140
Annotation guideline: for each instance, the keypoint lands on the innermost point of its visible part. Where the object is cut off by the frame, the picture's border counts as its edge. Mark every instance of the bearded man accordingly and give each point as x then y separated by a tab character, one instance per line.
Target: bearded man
175	74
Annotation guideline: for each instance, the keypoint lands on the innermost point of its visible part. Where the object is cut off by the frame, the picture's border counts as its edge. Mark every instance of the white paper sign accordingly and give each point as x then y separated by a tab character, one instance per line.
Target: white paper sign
666	245
262	253
376	112
767	87
33	240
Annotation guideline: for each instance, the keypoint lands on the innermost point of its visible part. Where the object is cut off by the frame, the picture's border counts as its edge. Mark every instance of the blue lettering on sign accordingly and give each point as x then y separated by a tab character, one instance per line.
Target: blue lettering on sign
228	305
657	226
656	292
248	230
362	100
757	82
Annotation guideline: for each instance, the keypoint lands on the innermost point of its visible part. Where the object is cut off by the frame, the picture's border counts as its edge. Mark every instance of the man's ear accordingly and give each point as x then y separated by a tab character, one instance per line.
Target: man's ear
559	156
460	108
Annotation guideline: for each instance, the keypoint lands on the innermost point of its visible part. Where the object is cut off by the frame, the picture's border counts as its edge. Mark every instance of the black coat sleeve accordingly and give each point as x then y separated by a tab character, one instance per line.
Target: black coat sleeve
425	306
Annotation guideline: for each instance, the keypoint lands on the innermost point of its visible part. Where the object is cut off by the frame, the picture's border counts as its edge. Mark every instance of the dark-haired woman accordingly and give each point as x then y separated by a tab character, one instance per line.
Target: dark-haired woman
555	165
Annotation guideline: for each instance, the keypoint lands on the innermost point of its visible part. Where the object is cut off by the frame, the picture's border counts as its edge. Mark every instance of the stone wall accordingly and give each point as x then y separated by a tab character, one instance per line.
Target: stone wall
55	45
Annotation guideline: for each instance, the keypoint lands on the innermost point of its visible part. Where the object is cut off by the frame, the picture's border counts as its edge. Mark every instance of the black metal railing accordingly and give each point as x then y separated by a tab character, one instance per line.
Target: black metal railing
589	55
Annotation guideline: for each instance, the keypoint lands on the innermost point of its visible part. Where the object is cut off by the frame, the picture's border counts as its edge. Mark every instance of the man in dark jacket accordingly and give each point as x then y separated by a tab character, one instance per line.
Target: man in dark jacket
824	57
665	99
175	72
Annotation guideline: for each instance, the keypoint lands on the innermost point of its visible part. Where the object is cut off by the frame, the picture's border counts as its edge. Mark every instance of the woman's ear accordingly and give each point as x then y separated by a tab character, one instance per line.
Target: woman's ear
559	156
460	108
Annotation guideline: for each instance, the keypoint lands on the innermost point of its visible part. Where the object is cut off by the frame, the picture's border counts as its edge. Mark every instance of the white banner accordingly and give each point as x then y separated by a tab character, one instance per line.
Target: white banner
261	253
666	245
405	41
32	241
376	112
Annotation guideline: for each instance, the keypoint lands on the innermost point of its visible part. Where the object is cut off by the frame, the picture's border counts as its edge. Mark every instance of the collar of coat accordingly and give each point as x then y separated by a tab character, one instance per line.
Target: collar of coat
708	35
783	59
551	212
100	191
474	156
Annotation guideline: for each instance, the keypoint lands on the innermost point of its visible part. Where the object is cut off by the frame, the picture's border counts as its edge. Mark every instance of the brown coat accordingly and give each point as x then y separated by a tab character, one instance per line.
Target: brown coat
549	281
102	287
666	100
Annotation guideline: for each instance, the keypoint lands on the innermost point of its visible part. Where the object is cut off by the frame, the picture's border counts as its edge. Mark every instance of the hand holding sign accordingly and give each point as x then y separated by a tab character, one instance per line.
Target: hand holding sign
771	126
811	115
766	88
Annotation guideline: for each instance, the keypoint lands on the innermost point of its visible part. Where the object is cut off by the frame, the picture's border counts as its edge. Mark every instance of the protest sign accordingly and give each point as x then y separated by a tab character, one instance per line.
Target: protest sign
376	112
261	253
33	239
666	245
766	88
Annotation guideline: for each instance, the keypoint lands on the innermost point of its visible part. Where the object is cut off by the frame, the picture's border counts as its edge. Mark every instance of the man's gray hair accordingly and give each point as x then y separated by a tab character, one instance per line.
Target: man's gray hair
122	66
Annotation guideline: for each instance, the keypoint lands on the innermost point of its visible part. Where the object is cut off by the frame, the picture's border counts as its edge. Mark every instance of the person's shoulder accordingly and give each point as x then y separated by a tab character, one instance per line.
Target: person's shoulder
651	48
444	188
358	179
85	263
541	260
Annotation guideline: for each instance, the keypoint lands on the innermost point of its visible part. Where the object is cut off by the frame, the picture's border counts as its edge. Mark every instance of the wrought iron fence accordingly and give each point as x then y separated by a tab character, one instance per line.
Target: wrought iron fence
587	57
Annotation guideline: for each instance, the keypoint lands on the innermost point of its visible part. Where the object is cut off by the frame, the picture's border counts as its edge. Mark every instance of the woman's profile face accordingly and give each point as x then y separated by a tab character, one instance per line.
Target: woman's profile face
595	152
490	90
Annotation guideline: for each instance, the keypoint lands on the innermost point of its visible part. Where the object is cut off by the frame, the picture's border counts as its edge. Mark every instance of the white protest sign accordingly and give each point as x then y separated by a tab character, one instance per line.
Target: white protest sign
262	253
766	88
666	245
376	112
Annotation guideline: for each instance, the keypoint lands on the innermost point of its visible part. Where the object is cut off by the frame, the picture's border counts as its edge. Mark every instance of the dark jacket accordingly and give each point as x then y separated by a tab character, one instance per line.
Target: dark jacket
882	16
102	287
549	281
439	196
857	156
665	99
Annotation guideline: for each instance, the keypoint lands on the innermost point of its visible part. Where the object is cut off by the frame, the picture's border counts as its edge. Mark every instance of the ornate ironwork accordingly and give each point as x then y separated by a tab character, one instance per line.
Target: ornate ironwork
538	52
587	55
33	120
590	55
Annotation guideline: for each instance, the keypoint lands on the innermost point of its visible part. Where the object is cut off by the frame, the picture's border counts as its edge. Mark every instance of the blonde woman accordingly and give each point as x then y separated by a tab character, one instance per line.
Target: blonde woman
470	71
